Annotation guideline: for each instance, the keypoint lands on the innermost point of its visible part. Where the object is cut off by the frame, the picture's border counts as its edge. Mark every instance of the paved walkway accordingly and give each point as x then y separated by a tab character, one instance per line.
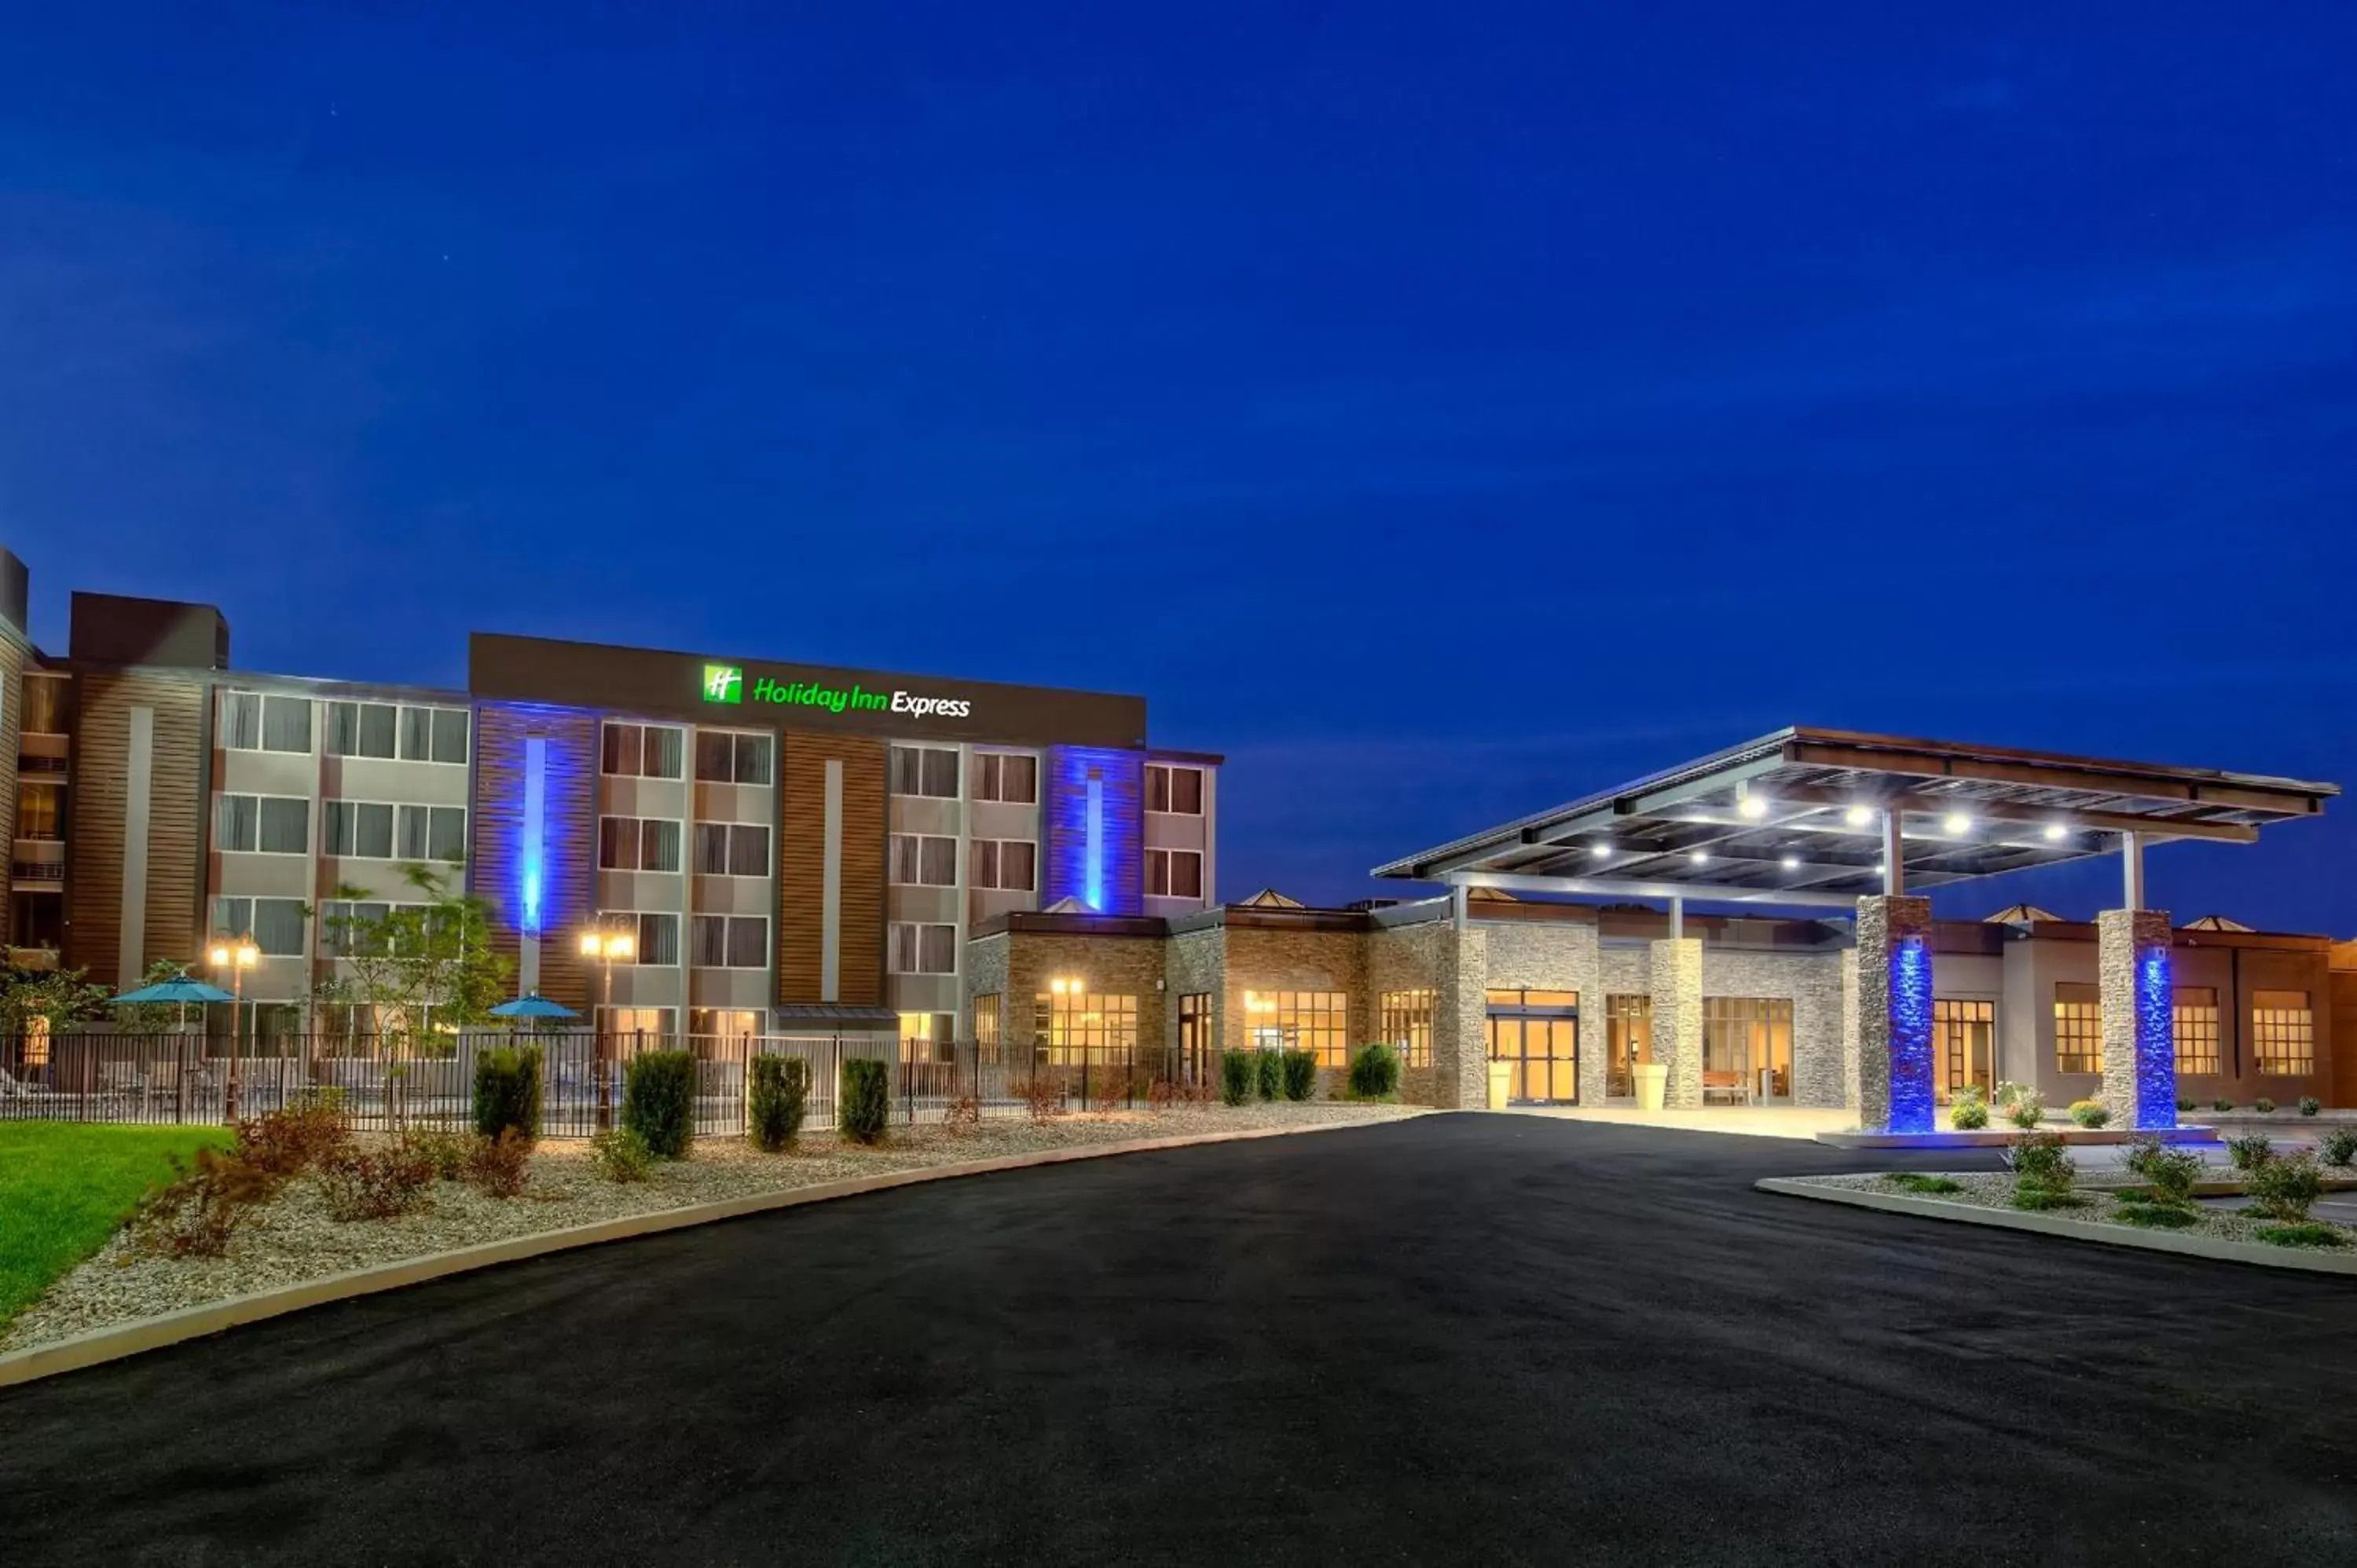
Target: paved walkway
1458	1339
1749	1120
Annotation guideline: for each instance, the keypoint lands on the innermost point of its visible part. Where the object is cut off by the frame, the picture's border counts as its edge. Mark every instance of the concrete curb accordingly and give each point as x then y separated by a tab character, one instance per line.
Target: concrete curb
1996	1138
2256	1253
119	1340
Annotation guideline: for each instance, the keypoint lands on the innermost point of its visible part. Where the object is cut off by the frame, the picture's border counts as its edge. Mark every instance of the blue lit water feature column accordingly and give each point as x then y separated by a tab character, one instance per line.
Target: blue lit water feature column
1894	1014
2138	986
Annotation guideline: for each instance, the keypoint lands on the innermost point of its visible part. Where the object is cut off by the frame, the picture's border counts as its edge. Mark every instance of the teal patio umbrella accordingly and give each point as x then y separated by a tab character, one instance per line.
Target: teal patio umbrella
180	988
533	1004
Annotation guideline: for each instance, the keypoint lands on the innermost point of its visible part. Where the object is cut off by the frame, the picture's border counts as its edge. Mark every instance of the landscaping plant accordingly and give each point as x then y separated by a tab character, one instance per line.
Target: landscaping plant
1300	1074
867	1100
2222	1103
499	1168
1269	1067
2338	1146
379	1184
1969	1111
2286	1188
2184	1103
198	1214
1238	1074
774	1108
620	1155
1043	1096
2026	1107
298	1138
2310	1105
2249	1151
963	1116
507	1091
2089	1113
659	1101
447	1152
2307	1233
1917	1182
1374	1072
2263	1106
2043	1171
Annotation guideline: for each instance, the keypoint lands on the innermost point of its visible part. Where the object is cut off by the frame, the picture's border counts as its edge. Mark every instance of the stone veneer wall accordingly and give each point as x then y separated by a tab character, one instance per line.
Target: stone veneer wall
1884	1051
1112	966
985	975
1269	959
1408	958
1812	981
1461	1022
1675	981
1554	957
1849	1032
2139	1019
1195	962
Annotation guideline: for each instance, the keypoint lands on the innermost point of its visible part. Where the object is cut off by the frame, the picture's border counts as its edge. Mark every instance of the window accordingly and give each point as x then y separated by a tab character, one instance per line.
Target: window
1963	1044
2078	1027
266	824
433	735
45	704
277	925
2283	1033
1628	1040
37	810
432	832
928	1036
651	1023
348	929
723	1023
1174	790
1011	865
923	859
732	849
359	830
644	751
638	844
924	771
251	721
362	729
1747	1047
1174	872
985	1027
657	934
2194	1020
1084	1028
922	949
1406	1024
1315	1021
732	941
389	730
725	757
1007	775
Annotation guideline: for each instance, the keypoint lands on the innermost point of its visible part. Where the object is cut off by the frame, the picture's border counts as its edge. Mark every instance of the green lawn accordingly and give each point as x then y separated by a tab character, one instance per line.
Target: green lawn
64	1187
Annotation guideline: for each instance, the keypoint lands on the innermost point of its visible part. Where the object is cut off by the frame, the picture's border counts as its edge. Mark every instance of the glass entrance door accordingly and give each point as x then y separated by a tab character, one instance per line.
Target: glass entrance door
1964	1042
1536	1033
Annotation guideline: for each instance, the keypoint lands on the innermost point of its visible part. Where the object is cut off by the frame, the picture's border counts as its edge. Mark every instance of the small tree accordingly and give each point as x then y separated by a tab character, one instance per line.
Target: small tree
55	997
417	964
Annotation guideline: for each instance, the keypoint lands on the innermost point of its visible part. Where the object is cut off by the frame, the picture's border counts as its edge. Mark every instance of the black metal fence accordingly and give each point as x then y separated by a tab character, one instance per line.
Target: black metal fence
391	1082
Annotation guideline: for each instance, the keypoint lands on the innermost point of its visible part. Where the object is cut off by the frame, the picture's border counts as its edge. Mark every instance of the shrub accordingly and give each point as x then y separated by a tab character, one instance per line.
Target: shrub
780	1091
2089	1114
2172	1174
1268	1068
1968	1112
2286	1188
2037	1199
620	1155
499	1168
2338	1146
963	1116
2222	1103
362	1184
2042	1164
446	1152
2310	1105
867	1100
1237	1076
198	1213
1916	1181
2029	1108
659	1101
298	1138
1043	1096
2163	1215
2263	1106
2308	1233
507	1091
2185	1103
2249	1151
1374	1072
1164	1094
1300	1074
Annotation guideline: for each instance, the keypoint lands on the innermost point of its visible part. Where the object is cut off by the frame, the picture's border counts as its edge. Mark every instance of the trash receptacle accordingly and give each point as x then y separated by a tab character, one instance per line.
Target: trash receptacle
1653	1085
1502	1083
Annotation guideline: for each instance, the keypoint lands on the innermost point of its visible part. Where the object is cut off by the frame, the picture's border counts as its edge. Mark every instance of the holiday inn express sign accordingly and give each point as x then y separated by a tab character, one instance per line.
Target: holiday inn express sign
695	689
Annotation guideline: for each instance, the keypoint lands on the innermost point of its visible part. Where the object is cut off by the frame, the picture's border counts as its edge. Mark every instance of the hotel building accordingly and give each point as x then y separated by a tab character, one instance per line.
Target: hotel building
791	846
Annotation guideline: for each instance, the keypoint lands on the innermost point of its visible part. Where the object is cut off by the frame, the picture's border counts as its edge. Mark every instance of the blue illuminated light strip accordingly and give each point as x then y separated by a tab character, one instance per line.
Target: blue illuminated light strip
532	858
1091	806
1095	877
2155	1040
1911	1102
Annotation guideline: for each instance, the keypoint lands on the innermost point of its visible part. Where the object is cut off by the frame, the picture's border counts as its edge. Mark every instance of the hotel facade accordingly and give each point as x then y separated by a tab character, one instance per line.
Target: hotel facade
791	847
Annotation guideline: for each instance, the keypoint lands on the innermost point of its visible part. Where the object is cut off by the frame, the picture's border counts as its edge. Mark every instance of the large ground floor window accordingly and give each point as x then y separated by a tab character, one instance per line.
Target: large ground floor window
2078	1027
1406	1019
2194	1018
1747	1048
2283	1033
1628	1040
1315	1021
1084	1027
1536	1035
1964	1042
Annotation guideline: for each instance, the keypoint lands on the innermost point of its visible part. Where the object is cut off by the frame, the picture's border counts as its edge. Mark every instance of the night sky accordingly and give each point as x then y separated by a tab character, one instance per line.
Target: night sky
1442	411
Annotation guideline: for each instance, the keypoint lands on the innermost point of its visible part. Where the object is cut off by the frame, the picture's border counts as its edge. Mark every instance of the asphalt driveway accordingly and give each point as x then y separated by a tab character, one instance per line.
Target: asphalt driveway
1458	1339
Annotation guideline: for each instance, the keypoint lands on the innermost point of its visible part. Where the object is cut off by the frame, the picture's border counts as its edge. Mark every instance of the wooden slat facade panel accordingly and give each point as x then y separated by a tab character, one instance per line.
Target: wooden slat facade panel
568	834
12	718
175	837
802	868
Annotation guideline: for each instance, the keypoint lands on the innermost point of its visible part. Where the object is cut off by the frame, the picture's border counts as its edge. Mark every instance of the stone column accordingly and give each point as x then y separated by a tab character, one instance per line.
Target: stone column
1677	985
1460	1022
2140	1018
1584	967
1894	1090
1849	1031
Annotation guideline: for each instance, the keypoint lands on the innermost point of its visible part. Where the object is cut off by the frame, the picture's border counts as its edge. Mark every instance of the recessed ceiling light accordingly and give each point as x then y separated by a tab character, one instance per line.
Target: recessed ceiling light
1791	863
1955	824
1859	816
2055	832
1880	866
1698	856
1600	851
1753	806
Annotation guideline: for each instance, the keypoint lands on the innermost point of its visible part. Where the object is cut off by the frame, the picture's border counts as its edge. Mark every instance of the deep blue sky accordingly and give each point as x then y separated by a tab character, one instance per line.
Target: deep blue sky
1441	411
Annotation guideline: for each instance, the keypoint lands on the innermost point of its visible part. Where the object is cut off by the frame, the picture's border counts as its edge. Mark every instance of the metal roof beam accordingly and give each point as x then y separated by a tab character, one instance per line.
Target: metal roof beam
1927	803
1626	887
2062	776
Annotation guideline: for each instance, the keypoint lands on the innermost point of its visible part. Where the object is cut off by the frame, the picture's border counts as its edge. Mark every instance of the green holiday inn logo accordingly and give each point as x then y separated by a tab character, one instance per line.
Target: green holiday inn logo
723	684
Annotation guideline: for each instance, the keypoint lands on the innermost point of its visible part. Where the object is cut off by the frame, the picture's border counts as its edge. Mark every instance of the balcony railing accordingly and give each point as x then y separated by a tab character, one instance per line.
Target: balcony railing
31	764
38	872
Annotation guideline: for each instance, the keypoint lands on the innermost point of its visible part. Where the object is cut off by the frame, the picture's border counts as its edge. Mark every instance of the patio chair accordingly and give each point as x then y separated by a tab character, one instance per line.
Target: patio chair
14	1088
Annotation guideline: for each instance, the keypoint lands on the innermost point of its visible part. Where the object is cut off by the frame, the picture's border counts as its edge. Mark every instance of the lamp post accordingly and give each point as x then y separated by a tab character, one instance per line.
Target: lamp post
607	946
236	955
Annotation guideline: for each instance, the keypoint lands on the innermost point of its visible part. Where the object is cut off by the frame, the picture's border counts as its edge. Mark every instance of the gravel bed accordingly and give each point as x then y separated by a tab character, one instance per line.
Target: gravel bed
1987	1189
292	1238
